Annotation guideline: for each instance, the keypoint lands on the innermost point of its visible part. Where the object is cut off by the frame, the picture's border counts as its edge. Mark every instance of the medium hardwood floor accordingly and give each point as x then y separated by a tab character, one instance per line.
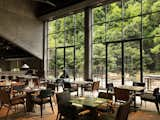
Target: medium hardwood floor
147	112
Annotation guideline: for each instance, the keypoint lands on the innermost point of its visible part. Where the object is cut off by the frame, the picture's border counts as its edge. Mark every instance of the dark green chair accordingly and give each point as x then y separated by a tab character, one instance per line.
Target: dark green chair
152	97
121	114
43	98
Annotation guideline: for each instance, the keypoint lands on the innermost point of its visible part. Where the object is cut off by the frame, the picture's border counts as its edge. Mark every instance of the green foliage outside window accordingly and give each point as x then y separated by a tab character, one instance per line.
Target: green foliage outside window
123	20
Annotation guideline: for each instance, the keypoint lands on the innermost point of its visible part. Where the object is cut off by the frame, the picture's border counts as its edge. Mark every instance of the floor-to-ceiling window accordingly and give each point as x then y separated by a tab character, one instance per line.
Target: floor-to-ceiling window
66	46
126	41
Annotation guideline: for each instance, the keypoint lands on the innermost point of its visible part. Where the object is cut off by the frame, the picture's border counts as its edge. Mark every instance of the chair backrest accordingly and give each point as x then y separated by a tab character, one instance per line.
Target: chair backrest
67	85
62	100
64	107
45	93
59	80
89	80
10	77
110	87
36	81
3	77
138	84
4	97
95	85
105	95
123	111
121	94
155	91
50	86
18	87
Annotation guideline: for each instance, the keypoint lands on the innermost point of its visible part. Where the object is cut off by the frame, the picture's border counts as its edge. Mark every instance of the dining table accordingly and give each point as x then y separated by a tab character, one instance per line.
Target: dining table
133	89
90	103
81	84
150	78
10	83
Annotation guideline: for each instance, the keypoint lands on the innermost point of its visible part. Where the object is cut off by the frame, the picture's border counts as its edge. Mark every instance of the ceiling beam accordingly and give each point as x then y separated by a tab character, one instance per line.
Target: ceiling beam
74	8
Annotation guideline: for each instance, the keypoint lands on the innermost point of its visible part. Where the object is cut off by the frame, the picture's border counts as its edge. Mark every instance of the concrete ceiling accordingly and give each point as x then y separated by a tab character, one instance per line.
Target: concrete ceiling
43	8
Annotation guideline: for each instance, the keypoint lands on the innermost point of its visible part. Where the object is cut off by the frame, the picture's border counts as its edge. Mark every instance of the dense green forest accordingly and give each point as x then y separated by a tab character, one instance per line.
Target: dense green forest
123	20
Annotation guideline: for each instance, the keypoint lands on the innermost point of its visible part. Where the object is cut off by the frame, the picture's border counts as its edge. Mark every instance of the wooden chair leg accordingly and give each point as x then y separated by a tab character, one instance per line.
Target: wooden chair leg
7	112
41	106
24	107
141	102
58	116
157	106
51	105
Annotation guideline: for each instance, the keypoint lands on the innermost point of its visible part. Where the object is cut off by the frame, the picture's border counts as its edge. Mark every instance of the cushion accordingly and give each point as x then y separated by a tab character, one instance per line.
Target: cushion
15	101
148	97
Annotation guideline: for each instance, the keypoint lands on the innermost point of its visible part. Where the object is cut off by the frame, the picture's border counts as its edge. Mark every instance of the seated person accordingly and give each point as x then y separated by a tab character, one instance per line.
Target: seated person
64	74
29	72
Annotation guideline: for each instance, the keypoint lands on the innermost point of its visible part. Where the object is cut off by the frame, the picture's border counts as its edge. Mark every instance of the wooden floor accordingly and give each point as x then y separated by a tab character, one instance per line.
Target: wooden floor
147	112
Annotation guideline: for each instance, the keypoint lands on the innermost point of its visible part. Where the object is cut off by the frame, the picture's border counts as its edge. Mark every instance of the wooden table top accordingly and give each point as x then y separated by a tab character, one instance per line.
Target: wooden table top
81	82
132	88
157	77
88	101
35	89
13	83
28	77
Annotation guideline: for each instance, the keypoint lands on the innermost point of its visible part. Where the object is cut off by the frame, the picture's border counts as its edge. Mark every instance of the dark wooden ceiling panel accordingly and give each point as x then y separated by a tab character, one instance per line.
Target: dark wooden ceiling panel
10	50
44	8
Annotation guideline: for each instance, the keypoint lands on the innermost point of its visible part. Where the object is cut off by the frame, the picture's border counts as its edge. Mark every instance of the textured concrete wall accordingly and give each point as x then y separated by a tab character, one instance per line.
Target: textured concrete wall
4	65
19	25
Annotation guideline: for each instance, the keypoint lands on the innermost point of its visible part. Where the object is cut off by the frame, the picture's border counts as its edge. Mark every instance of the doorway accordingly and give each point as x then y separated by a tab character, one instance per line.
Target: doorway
124	62
65	60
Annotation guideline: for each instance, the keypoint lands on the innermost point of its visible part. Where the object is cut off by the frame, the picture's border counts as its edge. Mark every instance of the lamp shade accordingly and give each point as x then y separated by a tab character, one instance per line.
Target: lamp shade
25	66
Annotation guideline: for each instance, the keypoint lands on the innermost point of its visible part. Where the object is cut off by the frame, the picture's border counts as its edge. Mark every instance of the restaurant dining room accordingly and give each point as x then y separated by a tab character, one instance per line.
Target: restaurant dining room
79	59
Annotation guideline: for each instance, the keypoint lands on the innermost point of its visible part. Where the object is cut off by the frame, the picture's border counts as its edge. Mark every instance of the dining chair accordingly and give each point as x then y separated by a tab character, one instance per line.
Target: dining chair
51	86
106	107
105	95
123	110
141	84
70	87
121	95
3	77
66	109
43	98
93	87
152	97
88	85
17	90
59	83
121	114
110	88
10	77
8	101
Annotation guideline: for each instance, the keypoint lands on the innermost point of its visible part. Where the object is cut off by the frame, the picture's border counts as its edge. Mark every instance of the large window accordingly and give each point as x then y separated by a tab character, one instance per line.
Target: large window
66	46
125	43
127	32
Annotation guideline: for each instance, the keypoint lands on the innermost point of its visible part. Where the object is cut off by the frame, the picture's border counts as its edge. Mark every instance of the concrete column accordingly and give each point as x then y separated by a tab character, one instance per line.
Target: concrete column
88	43
45	47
